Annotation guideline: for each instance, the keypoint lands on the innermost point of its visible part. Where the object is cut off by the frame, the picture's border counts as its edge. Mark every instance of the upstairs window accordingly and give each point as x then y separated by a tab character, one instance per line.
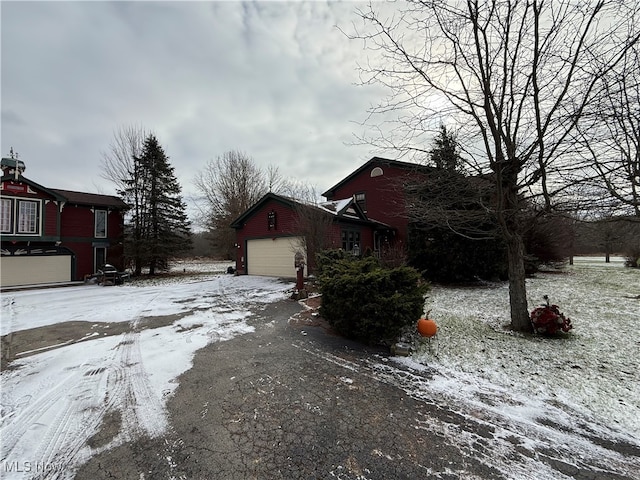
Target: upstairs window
271	220
20	217
101	223
376	172
6	217
361	200
28	217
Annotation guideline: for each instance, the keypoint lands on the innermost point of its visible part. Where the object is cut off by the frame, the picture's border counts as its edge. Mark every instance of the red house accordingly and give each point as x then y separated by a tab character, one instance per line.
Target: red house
51	235
367	211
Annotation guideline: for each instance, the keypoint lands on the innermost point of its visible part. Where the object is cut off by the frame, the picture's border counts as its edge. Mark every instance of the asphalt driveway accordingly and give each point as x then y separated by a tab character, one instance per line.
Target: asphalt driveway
294	401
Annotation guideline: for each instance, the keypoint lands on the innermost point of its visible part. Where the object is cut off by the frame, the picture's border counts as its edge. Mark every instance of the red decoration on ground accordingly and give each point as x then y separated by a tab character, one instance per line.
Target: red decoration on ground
427	327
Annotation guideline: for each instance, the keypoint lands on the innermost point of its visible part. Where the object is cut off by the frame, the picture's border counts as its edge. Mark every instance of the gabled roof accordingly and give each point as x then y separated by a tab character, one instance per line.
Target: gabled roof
377	162
92	199
31	183
76	198
289	202
346	209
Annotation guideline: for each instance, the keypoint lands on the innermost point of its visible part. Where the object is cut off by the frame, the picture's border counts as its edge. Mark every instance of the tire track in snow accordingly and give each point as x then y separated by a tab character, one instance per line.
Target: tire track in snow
55	424
143	411
31	415
64	428
80	419
69	413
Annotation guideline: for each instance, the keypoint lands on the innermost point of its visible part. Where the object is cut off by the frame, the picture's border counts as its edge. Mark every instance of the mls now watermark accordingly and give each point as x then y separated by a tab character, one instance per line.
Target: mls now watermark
30	467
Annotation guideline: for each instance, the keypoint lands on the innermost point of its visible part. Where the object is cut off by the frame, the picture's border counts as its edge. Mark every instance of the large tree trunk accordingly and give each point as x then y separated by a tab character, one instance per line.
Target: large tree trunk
517	287
509	209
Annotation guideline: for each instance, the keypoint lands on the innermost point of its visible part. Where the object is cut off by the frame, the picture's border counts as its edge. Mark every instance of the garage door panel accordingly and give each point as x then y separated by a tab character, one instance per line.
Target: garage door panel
273	257
33	270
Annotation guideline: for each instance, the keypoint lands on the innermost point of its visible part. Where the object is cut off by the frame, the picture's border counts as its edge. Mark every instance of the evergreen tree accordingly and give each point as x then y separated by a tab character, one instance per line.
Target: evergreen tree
452	236
158	229
444	155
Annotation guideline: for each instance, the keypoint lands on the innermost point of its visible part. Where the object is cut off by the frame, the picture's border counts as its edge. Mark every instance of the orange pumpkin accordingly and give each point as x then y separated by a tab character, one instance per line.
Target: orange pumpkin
427	327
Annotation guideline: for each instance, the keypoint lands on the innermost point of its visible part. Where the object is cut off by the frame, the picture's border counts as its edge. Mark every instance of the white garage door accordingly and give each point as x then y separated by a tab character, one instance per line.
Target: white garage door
33	270
273	257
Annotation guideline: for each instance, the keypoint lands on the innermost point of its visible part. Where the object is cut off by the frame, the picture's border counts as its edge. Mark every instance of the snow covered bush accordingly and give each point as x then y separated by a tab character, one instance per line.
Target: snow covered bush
548	320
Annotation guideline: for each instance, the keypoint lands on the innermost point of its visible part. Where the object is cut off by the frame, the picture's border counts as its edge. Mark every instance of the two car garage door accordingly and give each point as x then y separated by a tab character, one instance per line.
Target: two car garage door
273	257
36	269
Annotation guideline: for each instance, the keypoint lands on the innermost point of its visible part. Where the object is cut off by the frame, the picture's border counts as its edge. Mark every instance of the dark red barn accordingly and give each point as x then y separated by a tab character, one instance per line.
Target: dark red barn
367	211
53	236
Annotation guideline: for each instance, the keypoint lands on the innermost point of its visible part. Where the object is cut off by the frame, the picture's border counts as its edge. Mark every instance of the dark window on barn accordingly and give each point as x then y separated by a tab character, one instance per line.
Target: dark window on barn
271	220
351	241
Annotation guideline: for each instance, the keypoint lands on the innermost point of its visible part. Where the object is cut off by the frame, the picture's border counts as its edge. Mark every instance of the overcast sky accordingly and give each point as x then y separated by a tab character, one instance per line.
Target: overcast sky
275	80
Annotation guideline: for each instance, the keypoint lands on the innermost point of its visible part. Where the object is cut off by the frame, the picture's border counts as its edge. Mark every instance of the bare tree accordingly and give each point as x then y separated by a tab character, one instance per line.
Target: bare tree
611	134
117	161
515	77
120	168
229	185
446	197
313	222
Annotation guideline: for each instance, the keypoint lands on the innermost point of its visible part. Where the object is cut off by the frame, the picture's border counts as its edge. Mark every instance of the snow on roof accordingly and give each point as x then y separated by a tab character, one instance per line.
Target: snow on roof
336	206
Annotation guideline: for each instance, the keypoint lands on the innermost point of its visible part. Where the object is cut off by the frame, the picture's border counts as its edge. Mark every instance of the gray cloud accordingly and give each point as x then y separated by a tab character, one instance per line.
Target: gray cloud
275	80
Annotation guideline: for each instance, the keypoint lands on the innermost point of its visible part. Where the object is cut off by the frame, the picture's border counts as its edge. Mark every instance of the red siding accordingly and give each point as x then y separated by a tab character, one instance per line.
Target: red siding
78	227
114	225
256	226
50	224
286	225
335	238
384	196
49	213
77	221
84	258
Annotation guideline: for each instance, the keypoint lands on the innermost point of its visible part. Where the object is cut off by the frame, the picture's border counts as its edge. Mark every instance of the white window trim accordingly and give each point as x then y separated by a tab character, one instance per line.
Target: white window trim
26	224
15	218
95	226
7	221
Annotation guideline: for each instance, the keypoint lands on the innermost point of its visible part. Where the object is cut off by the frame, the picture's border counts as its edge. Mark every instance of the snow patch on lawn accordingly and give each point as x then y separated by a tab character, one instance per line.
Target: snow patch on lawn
593	371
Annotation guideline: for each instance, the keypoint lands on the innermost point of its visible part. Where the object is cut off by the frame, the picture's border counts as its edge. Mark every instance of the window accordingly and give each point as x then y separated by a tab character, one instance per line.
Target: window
20	217
101	223
361	200
28	216
376	172
351	241
271	220
6	219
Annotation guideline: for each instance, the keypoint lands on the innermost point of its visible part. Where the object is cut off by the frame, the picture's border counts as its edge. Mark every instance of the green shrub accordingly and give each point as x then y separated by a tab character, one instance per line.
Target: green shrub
365	301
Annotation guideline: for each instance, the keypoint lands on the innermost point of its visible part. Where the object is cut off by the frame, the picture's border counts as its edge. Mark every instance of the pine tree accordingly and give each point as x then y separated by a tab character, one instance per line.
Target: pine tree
444	155
453	237
158	229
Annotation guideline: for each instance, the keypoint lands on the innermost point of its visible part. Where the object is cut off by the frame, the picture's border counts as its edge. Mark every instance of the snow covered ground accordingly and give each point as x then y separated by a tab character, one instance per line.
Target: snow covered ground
54	401
596	370
589	384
